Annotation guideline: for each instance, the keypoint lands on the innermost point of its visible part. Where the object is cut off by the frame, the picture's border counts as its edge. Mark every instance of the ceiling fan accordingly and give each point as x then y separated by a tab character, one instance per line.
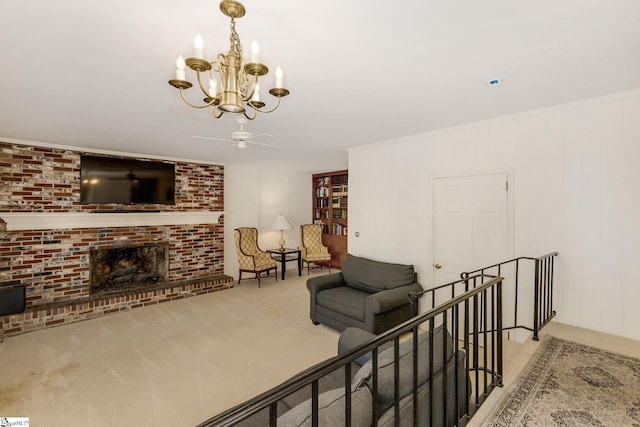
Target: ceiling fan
242	138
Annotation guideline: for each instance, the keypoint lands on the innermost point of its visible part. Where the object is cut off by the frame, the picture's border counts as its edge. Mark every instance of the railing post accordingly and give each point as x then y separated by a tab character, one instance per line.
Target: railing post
273	415
314	403
476	346
374	391
444	370
536	302
467	361
396	380
516	292
347	391
553	313
430	365
499	330
415	374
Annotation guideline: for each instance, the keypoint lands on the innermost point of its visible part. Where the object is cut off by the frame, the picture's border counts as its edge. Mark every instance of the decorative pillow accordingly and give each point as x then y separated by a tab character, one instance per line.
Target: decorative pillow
331	410
375	276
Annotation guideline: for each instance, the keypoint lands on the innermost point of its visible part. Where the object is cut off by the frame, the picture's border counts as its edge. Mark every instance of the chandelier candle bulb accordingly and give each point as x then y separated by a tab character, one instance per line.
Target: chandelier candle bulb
279	78
199	46
213	90
255	52
180	74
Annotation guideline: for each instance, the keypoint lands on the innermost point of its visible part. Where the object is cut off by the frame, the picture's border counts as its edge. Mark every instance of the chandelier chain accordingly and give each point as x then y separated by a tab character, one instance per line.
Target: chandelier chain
236	47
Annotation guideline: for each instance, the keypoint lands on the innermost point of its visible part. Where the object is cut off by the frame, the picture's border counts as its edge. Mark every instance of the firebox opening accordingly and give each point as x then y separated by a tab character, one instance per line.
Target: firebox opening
128	268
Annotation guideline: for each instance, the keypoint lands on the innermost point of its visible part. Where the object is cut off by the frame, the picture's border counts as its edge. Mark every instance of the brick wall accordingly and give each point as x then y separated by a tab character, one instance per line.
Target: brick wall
54	264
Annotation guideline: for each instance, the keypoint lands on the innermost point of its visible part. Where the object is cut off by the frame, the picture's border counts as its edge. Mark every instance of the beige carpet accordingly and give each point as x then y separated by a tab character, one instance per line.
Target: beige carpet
570	384
173	364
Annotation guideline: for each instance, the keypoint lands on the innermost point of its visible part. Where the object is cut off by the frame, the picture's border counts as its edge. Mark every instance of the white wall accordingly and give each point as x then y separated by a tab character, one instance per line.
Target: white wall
576	189
254	198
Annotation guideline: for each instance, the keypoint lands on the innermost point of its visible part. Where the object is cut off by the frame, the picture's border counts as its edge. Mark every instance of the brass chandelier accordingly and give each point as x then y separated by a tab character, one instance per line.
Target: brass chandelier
236	89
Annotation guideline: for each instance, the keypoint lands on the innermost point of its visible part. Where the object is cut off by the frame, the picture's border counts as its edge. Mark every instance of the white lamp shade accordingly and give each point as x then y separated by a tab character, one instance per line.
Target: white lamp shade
281	223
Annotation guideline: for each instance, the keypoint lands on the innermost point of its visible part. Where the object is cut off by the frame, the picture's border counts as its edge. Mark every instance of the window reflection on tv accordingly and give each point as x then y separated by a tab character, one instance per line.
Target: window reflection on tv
109	180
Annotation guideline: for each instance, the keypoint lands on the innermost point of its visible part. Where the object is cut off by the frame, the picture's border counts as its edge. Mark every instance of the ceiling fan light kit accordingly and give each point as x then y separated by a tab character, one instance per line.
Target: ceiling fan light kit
233	84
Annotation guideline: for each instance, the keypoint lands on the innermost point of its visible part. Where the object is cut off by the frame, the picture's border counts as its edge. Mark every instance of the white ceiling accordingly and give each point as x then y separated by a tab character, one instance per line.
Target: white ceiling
94	74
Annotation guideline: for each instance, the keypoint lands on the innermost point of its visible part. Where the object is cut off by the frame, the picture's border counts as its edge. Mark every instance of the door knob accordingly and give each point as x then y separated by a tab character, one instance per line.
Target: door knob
438	266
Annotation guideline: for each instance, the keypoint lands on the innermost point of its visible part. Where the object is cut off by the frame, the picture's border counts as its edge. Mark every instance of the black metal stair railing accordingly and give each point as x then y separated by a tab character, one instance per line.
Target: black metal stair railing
538	287
473	349
543	287
472	309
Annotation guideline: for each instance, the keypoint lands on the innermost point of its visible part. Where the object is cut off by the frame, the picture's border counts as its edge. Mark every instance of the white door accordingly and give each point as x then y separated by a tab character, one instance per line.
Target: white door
470	224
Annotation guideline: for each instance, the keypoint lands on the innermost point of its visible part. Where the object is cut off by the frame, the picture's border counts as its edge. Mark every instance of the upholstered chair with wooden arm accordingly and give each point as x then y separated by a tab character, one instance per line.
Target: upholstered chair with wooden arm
312	249
250	257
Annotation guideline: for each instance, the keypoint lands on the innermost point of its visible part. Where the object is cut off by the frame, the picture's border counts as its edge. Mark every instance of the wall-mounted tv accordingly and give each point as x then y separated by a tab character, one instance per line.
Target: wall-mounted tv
108	180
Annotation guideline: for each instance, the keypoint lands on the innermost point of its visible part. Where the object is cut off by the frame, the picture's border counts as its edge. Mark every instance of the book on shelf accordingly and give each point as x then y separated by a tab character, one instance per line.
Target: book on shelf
322	192
340	179
339	203
339	229
321	213
339	190
339	213
323	180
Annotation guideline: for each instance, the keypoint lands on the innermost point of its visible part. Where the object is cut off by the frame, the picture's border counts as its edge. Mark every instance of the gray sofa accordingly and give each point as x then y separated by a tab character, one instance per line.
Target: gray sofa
366	294
296	408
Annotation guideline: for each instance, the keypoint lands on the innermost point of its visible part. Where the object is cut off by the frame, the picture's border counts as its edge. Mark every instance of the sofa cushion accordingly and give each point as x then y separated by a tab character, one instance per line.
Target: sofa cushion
375	276
351	338
344	300
437	401
331	410
386	368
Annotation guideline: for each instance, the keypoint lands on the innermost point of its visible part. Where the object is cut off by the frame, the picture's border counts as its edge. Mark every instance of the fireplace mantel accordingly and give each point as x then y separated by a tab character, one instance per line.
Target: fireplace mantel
16	221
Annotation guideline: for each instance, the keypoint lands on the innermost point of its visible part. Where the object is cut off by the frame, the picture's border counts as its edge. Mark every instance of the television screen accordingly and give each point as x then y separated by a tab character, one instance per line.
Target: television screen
105	180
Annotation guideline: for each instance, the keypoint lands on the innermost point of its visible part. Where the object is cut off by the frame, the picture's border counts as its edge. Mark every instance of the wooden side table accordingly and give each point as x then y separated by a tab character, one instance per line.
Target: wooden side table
283	257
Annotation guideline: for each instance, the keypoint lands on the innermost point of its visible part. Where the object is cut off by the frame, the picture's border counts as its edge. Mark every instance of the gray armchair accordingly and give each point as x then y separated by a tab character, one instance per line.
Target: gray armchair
366	294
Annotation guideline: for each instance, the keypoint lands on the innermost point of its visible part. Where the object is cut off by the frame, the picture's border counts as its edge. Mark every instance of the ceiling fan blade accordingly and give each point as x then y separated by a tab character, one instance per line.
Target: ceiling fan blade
211	138
224	146
262	134
264	144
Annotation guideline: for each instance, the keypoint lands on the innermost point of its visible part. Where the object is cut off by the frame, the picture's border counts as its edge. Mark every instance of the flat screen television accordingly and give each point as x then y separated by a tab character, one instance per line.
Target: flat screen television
109	180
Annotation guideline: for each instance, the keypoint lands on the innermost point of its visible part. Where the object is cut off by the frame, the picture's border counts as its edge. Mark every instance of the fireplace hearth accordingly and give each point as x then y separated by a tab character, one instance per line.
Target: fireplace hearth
127	267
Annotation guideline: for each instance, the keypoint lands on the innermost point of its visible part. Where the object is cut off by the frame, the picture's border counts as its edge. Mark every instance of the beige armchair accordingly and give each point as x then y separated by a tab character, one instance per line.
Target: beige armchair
312	249
250	257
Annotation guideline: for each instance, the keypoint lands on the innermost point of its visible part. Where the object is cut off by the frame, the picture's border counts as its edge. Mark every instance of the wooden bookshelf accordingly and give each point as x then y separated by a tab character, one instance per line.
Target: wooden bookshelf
330	209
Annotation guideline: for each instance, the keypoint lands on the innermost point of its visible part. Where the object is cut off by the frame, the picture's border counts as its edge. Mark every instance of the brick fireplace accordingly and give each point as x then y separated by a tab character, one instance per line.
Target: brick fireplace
52	258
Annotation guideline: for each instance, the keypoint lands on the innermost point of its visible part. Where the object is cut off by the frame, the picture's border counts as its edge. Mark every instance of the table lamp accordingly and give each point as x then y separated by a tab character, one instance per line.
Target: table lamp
281	224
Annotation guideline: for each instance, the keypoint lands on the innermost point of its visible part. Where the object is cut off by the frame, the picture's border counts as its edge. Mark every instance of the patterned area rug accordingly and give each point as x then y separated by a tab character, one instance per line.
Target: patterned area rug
570	384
